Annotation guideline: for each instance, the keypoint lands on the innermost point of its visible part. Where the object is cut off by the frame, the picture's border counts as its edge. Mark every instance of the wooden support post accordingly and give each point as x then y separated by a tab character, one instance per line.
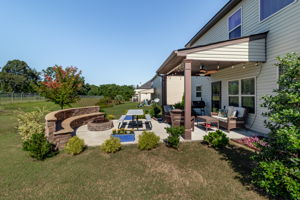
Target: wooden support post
187	99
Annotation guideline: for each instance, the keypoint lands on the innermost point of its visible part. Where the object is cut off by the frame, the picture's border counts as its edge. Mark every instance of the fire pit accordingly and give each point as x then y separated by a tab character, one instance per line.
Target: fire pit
100	124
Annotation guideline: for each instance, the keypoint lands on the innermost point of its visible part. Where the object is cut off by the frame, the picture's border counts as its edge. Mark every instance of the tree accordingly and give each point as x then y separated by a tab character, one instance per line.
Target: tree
17	76
61	86
93	90
112	90
278	169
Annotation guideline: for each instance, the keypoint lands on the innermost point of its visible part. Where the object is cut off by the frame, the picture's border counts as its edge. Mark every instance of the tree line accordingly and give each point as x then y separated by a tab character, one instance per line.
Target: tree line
16	76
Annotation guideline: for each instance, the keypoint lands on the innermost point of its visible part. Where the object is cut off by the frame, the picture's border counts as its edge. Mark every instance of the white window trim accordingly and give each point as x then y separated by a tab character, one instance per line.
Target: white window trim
229	31
240	95
198	91
259	11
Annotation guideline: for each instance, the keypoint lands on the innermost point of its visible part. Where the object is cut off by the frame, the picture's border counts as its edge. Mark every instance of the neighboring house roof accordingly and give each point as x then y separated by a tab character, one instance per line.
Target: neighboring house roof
227	8
147	85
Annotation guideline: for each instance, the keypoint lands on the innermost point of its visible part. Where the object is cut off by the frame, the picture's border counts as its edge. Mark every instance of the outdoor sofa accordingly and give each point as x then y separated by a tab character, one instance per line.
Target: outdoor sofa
231	118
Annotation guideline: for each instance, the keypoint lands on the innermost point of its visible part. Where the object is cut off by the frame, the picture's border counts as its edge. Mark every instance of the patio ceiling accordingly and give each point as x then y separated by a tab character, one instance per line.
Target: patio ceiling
218	55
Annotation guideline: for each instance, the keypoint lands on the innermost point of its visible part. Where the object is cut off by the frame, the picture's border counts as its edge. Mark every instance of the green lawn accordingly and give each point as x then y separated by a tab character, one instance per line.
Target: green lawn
193	172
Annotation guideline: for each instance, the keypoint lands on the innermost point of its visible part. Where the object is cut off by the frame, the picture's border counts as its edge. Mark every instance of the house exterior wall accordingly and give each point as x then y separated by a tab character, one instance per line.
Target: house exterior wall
205	83
143	94
143	97
175	89
283	37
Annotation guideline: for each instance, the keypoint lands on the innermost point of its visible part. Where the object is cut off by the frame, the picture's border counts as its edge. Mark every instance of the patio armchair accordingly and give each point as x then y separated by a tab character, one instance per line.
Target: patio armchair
177	118
235	117
166	113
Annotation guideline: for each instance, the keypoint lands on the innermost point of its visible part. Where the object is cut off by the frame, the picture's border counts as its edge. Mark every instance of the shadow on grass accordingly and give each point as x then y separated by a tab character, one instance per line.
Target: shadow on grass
241	162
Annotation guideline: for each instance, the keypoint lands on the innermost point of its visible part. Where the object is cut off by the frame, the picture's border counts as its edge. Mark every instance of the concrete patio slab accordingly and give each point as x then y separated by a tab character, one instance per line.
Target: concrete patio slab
96	138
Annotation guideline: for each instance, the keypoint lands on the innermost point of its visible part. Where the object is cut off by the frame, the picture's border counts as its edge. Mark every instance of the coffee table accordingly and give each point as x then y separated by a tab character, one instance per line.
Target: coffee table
208	120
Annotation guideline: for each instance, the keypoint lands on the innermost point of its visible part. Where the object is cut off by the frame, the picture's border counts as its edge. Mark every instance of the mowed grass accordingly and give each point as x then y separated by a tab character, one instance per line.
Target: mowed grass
193	172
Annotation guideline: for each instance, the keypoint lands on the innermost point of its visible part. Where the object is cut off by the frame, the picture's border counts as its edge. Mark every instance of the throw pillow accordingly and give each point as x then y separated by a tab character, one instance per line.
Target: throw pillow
234	113
222	113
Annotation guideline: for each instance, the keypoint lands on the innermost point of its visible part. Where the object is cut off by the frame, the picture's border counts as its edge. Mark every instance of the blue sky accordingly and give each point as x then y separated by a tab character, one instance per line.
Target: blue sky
111	41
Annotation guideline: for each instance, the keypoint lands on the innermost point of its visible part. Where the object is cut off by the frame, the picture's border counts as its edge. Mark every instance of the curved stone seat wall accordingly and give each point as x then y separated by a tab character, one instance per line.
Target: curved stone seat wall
68	120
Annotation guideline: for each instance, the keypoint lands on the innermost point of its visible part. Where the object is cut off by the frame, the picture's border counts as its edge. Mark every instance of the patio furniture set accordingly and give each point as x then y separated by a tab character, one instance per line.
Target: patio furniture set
131	119
230	118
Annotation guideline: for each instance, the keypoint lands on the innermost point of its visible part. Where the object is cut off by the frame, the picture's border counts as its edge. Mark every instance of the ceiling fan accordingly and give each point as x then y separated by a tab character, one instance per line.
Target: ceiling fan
205	72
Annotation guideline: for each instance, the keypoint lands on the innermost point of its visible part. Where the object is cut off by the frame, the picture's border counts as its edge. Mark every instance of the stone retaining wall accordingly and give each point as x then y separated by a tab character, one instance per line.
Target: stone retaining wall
70	119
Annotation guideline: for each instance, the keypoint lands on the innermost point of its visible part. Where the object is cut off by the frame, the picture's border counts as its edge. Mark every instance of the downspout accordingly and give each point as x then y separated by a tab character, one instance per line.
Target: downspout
256	77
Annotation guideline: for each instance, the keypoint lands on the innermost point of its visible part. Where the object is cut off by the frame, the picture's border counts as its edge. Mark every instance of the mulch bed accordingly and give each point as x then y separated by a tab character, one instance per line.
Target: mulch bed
251	142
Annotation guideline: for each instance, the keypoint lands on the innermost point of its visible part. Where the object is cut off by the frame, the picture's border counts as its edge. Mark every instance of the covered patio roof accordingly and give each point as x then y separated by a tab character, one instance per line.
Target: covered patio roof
219	55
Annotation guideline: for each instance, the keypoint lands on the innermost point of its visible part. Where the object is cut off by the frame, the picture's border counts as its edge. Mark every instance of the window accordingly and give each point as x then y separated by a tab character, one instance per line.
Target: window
235	24
248	94
199	91
270	7
233	93
242	93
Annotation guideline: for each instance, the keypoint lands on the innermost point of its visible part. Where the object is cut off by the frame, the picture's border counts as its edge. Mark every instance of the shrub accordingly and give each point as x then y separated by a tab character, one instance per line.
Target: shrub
105	102
119	99
110	117
75	146
122	131
38	146
30	123
111	145
155	110
174	136
148	140
277	179
279	163
216	139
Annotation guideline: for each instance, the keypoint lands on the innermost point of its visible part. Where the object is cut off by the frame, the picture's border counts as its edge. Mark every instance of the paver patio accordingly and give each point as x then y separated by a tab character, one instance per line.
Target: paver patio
96	138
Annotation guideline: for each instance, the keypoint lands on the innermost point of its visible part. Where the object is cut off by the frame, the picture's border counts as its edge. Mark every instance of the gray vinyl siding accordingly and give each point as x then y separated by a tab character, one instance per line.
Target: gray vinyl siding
205	83
248	70
249	51
283	37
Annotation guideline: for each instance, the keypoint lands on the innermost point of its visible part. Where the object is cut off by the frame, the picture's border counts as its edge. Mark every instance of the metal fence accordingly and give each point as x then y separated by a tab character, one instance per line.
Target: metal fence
19	97
28	97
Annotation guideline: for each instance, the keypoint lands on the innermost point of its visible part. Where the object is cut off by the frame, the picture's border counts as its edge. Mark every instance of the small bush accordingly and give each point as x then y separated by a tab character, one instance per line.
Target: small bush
30	123
111	145
216	139
105	102
110	117
119	99
75	146
148	140
277	179
155	110
122	131
38	146
174	136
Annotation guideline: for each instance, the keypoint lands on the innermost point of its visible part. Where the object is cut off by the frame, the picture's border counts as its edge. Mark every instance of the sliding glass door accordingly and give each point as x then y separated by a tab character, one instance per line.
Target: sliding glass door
216	93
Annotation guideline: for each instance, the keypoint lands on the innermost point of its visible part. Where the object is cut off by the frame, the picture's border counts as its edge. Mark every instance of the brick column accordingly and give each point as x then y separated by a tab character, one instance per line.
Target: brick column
187	99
